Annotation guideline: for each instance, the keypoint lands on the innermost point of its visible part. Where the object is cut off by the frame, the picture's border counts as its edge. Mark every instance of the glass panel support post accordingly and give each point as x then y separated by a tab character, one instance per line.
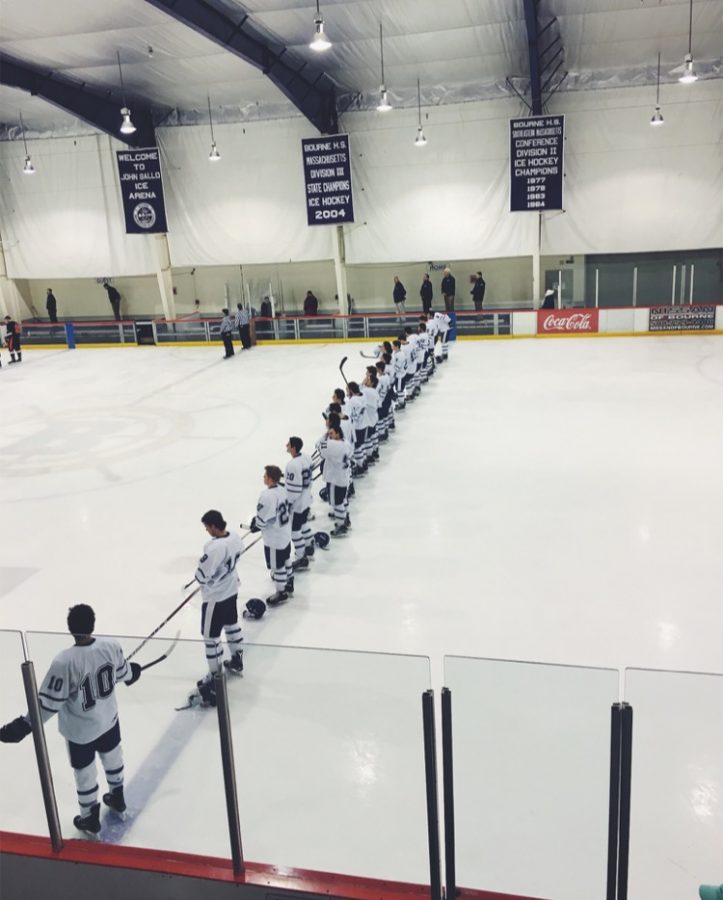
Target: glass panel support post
430	771
635	285
41	754
229	772
450	868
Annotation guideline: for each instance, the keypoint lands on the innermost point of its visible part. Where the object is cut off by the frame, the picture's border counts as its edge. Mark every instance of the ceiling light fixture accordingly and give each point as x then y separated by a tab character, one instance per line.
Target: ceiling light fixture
320	41
384	105
657	115
689	74
420	140
28	167
127	126
214	155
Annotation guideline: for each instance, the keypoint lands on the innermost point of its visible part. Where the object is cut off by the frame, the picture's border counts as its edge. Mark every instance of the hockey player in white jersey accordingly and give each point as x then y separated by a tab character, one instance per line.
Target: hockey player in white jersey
443	324
399	362
80	688
216	573
385	398
273	520
334	450
297	481
355	408
371	401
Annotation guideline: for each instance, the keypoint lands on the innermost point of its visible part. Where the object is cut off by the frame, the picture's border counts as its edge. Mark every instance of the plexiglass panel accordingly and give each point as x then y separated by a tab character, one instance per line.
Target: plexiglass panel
21	806
330	761
531	772
676	830
174	782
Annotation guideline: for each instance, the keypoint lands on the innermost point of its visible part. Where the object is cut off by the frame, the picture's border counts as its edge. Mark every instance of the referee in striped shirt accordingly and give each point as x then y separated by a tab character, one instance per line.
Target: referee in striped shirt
242	322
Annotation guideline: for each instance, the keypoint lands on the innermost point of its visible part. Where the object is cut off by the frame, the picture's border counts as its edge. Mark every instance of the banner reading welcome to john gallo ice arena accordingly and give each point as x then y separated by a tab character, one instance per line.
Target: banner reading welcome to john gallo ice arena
139	172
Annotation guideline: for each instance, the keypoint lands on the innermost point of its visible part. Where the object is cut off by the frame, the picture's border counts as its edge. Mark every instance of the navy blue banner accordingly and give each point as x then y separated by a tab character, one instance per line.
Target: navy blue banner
139	172
536	161
327	176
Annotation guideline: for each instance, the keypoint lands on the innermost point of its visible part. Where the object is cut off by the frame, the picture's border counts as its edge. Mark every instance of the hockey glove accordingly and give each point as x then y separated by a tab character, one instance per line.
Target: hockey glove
253	527
136	673
15	731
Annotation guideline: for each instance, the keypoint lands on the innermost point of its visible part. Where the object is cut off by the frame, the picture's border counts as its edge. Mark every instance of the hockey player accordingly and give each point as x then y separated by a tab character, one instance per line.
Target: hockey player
216	573
273	520
80	688
399	363
443	324
13	338
355	408
297	480
384	388
337	467
371	401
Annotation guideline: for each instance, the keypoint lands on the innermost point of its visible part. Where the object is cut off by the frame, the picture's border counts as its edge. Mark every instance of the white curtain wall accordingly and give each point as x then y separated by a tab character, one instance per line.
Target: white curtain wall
628	188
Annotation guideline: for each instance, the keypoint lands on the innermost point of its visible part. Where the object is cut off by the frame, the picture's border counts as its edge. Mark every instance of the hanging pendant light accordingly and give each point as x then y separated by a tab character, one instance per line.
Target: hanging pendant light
320	41
689	74
28	167
420	140
657	115
384	105
214	155
127	126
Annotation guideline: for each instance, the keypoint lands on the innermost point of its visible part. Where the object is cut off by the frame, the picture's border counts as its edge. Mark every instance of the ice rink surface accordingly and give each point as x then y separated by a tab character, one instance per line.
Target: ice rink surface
556	501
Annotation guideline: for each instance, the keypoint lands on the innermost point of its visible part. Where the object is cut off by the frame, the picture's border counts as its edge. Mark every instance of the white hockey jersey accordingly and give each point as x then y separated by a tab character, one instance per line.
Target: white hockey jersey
399	361
298	482
371	402
80	687
216	572
443	322
356	410
337	461
273	516
383	383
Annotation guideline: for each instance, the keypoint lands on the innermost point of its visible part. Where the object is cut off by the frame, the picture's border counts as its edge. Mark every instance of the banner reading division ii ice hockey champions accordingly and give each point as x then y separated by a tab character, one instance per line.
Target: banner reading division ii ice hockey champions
142	189
536	145
327	173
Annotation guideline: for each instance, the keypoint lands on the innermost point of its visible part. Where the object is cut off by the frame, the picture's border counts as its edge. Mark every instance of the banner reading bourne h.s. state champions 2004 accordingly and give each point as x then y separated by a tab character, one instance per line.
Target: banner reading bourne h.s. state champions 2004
139	172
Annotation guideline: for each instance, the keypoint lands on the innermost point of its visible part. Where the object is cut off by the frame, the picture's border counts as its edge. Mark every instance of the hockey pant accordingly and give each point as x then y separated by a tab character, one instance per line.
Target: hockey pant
382	427
82	759
278	562
371	441
359	439
301	533
445	345
218	616
14	346
339	503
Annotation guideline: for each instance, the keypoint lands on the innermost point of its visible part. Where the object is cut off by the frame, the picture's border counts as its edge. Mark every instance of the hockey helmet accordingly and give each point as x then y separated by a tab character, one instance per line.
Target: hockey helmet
324	494
255	608
322	540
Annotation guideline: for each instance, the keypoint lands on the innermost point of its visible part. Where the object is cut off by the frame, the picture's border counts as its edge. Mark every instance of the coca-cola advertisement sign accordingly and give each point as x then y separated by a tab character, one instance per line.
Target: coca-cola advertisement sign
567	321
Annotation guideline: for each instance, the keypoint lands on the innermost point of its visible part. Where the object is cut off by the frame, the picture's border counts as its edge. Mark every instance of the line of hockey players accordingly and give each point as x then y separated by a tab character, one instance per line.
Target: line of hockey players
357	421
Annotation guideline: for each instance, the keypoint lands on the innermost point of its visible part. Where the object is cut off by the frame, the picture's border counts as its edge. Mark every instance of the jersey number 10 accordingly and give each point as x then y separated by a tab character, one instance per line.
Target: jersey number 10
103	686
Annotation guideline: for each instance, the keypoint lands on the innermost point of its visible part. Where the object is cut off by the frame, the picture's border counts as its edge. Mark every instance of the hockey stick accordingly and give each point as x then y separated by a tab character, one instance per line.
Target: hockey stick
367	355
164	622
168	652
341	369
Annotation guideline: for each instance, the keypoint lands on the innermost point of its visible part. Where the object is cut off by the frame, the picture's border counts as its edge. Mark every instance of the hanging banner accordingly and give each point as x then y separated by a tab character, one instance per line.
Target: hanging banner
139	172
536	163
682	318
327	175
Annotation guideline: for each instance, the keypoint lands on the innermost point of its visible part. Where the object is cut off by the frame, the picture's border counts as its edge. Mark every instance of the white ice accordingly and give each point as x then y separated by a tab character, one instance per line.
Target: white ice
555	501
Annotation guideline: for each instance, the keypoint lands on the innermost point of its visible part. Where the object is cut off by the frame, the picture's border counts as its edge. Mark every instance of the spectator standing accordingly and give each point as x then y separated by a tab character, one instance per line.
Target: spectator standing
243	323
13	339
115	299
399	295
449	286
478	290
51	304
311	304
550	299
426	293
226	332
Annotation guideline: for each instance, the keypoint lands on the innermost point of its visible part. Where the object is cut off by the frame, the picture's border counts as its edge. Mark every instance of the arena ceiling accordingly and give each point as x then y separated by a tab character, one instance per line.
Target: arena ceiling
459	49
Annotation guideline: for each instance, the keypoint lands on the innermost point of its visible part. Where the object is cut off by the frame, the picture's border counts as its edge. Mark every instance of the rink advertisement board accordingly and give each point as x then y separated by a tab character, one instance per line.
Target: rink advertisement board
682	318
567	321
536	159
327	177
139	172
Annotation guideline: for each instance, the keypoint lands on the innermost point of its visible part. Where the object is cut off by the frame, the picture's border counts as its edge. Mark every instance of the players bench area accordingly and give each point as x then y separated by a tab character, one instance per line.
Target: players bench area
514	780
468	325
